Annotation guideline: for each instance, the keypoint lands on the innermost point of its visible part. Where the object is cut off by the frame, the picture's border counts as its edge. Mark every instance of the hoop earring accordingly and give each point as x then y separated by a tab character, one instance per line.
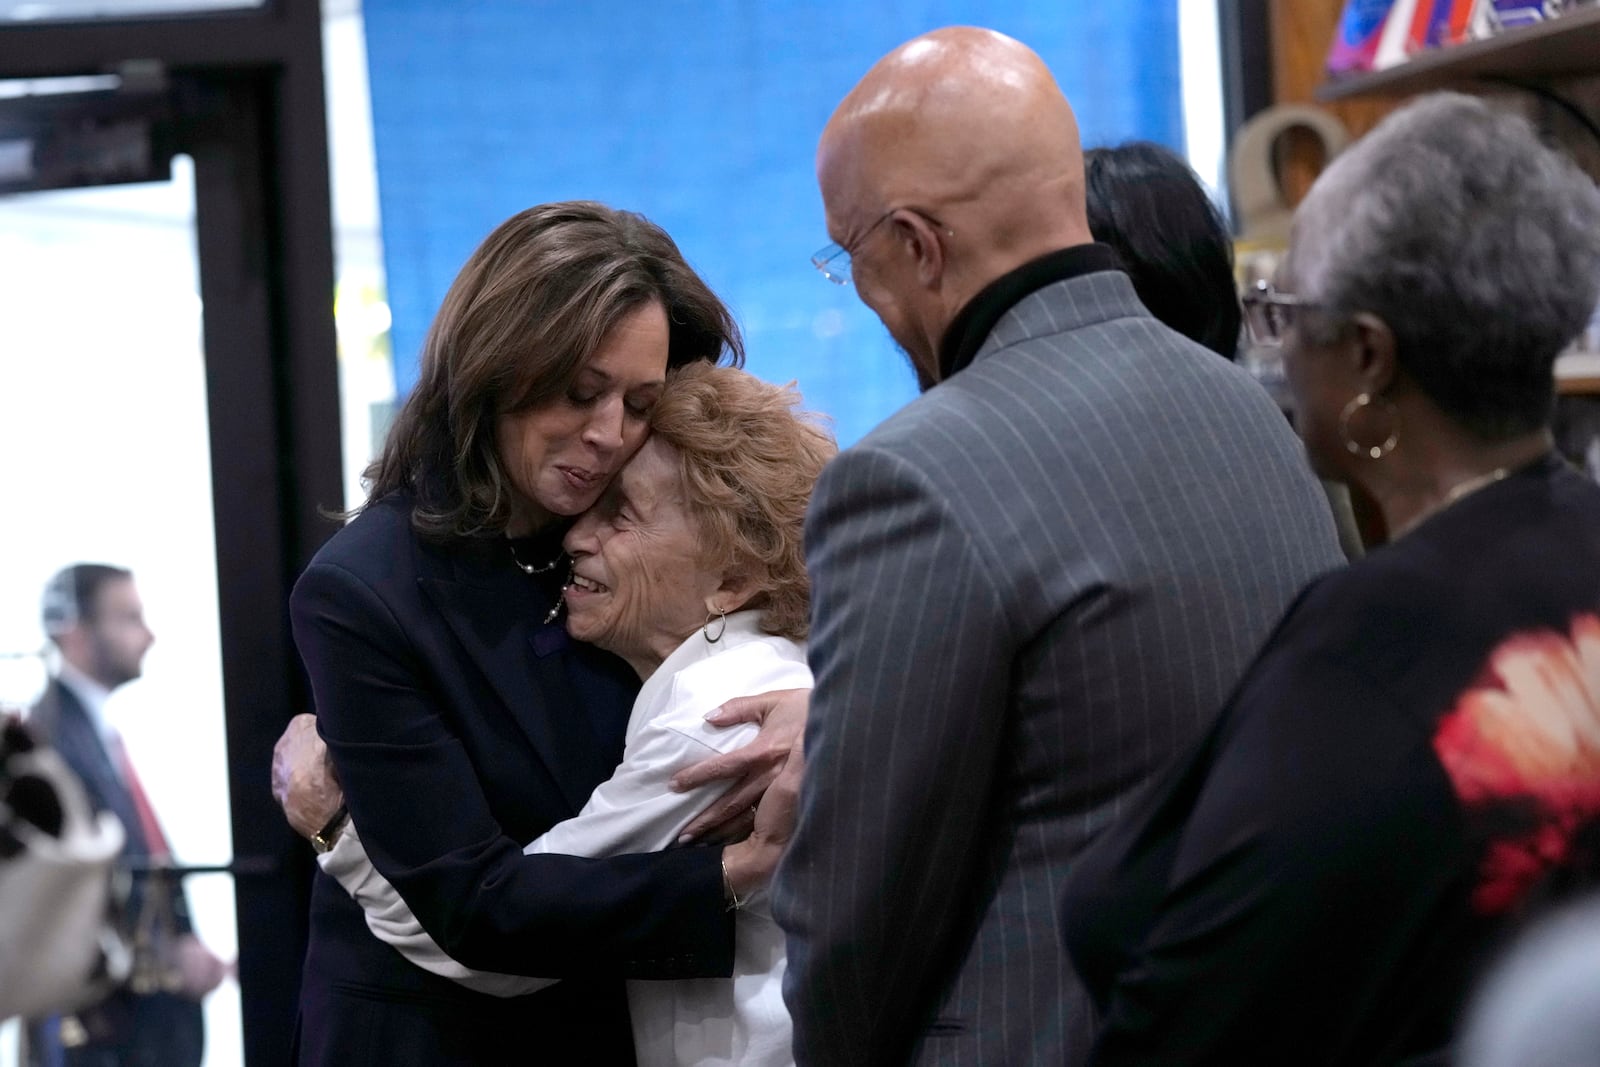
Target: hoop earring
1363	401
722	626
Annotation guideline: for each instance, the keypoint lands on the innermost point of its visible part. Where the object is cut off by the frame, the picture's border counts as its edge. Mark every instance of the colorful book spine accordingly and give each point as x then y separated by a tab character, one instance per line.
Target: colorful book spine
1355	45
1509	14
1421	19
1392	42
1458	26
1437	30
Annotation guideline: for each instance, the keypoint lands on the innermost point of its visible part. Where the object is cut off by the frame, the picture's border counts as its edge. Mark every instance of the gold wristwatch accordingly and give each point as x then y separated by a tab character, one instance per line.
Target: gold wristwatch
324	838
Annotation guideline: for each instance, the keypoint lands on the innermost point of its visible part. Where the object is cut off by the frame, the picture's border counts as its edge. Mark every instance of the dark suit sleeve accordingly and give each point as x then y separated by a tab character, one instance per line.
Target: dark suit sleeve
912	660
428	827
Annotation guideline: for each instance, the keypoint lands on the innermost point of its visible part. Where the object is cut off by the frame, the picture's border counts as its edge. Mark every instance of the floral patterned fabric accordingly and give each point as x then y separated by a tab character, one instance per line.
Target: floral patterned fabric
1524	744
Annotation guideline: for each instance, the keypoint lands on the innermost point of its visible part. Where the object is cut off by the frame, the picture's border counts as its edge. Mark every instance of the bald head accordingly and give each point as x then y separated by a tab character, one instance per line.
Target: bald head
970	123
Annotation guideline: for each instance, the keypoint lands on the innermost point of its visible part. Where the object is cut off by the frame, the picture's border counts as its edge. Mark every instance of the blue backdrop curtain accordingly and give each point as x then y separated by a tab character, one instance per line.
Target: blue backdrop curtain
704	116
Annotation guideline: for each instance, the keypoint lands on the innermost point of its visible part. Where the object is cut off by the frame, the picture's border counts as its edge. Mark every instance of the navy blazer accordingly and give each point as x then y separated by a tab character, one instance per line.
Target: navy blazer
161	1028
461	726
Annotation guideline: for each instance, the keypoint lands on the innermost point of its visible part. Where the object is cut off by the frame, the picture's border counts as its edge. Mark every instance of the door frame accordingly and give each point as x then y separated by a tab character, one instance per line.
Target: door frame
245	91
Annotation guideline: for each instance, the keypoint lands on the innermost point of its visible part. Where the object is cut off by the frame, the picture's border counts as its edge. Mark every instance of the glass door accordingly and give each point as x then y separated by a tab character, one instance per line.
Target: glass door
103	430
169	402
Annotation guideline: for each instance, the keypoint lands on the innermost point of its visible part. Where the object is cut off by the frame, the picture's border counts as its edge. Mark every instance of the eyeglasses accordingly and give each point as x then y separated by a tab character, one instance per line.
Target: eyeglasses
833	261
1269	313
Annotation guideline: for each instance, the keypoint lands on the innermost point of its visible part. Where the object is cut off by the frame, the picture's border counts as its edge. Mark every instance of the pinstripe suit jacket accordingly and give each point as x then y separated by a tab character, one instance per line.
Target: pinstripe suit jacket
1031	586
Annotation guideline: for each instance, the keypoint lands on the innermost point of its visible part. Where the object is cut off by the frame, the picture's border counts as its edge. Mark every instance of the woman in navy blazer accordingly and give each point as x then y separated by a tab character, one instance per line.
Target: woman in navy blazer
459	716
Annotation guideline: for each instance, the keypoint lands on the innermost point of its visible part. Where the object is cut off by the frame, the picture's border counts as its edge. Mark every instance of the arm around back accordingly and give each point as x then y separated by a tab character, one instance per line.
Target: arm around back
396	730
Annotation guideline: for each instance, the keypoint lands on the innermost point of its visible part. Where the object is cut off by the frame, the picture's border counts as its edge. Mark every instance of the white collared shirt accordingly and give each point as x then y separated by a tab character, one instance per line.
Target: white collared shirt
714	1021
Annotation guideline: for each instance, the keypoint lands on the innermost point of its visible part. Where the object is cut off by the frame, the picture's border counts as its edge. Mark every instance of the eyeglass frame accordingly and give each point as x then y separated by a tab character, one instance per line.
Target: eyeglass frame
1265	329
823	257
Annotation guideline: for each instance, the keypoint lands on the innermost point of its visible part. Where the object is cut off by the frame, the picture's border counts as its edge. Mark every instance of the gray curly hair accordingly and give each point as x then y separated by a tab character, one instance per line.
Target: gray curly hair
1475	243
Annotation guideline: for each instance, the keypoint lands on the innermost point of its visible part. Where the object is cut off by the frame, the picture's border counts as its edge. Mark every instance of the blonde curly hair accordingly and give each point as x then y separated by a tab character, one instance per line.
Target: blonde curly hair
748	458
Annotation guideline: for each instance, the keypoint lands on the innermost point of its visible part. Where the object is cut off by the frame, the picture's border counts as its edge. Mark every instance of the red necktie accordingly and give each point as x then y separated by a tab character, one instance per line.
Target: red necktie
154	838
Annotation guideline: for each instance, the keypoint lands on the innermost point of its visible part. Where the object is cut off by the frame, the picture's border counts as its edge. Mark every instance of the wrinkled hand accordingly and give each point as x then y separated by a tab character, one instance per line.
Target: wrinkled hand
782	715
303	780
201	969
750	863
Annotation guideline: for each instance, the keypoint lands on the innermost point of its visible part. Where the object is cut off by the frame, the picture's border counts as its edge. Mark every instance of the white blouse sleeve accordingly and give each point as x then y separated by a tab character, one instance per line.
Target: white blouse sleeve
391	921
634	810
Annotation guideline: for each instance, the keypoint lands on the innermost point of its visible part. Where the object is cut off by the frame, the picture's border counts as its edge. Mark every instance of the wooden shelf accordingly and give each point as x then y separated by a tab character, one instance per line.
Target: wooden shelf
1578	373
1565	47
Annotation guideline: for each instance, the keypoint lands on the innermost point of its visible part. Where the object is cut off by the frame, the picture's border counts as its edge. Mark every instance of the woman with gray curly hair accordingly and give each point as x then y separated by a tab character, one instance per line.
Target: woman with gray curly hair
1413	760
690	568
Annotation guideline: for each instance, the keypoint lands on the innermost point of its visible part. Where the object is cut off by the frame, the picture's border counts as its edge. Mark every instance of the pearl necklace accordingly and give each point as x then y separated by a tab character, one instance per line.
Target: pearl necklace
561	597
531	570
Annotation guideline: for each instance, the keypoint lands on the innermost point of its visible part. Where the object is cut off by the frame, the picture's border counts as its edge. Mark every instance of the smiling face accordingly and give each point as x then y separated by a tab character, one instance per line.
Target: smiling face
560	456
640	586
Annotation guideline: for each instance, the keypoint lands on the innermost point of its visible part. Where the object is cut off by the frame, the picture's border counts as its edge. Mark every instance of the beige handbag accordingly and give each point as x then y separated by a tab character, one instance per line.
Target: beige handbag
58	948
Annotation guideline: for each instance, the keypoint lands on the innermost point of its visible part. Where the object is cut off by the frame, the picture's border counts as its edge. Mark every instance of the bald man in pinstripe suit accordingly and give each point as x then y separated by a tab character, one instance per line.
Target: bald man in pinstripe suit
1031	586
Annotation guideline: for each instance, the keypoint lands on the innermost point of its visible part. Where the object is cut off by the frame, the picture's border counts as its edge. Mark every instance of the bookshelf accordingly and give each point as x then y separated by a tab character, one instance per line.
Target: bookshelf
1562	48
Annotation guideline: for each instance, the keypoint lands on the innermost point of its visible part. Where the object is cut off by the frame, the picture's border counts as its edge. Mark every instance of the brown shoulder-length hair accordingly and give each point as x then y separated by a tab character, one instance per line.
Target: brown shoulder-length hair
748	458
526	312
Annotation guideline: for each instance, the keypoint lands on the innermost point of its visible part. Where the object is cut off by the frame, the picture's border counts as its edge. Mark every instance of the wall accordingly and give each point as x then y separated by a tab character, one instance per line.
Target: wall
704	116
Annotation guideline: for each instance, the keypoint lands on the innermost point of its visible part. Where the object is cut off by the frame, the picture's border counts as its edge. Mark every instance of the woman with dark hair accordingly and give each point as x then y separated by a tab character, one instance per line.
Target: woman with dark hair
691	569
1415	753
459	716
1149	205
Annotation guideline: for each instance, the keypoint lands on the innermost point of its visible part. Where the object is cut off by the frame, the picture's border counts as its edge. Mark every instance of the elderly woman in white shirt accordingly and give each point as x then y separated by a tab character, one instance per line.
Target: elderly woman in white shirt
691	569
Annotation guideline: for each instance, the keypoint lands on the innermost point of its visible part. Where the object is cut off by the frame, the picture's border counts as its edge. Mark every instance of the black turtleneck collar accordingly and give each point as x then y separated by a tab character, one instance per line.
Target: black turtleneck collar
973	324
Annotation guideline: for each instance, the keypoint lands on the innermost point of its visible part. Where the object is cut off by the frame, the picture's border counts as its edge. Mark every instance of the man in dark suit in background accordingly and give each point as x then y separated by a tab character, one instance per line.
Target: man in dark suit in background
93	615
1030	586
